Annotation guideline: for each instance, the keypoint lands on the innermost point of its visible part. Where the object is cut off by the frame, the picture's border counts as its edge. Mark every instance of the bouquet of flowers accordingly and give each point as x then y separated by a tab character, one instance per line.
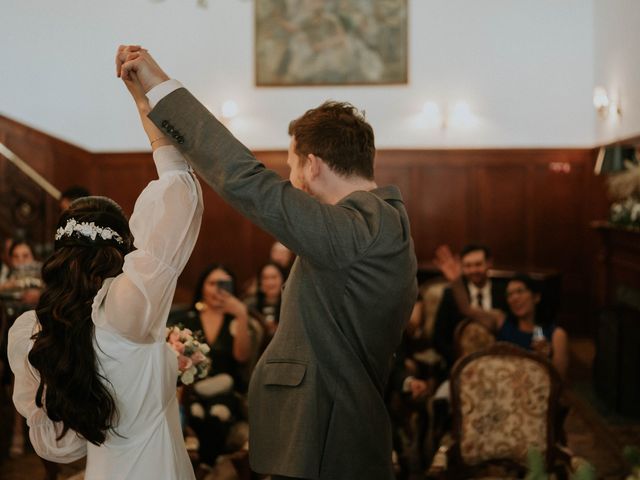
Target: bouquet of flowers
193	361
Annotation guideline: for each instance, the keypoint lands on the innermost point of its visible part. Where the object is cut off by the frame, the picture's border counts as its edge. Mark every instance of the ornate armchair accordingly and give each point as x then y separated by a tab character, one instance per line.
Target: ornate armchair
470	337
504	402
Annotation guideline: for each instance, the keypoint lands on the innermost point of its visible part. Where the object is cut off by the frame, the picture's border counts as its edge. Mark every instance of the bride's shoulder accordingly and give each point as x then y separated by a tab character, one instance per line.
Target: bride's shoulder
27	323
20	333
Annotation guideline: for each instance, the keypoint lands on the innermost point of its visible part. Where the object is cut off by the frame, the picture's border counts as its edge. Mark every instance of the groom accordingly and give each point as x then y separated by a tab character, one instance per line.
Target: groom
316	406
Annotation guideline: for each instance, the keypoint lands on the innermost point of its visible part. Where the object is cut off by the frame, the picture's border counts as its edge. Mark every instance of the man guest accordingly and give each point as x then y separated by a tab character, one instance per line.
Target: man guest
483	293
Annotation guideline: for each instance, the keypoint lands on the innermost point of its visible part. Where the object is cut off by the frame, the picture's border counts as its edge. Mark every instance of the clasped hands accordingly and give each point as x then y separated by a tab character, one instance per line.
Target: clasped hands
135	64
141	73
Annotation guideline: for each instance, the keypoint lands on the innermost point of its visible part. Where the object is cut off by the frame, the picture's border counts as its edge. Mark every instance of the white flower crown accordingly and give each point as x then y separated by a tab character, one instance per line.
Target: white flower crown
88	229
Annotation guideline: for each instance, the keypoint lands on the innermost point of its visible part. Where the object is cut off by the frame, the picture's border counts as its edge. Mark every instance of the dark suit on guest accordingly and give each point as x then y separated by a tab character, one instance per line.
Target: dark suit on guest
448	316
316	398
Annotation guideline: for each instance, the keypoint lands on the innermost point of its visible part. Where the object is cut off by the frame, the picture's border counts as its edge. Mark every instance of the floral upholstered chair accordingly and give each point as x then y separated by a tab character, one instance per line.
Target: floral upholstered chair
504	403
470	337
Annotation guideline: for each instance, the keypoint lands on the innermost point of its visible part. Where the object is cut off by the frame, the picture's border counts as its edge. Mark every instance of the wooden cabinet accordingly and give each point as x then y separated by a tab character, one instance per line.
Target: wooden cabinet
617	363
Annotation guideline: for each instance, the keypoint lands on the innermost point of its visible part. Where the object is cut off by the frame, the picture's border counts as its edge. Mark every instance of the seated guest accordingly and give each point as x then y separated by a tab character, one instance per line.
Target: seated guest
526	328
278	255
519	325
224	321
21	253
282	256
480	290
24	273
412	381
265	304
23	283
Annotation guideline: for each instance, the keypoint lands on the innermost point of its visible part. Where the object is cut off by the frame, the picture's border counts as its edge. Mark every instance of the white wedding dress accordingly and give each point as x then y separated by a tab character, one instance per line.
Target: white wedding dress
129	314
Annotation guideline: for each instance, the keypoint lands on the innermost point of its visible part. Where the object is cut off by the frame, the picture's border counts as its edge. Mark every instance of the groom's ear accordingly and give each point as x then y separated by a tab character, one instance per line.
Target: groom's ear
314	164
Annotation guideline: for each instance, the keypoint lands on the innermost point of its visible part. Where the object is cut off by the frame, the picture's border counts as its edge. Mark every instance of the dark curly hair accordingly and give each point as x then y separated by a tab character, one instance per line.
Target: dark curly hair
71	388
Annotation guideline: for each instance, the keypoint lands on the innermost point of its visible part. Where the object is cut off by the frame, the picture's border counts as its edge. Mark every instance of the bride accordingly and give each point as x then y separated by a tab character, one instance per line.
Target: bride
93	374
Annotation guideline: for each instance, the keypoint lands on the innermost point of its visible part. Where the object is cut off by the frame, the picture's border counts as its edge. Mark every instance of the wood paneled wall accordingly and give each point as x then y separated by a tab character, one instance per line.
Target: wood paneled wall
531	206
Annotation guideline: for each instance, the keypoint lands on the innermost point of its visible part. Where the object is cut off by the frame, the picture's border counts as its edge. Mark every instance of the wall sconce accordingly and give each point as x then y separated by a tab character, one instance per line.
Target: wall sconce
461	115
229	109
458	116
605	105
432	115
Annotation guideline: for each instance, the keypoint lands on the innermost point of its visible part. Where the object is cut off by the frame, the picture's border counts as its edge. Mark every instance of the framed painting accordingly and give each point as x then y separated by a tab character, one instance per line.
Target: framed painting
330	42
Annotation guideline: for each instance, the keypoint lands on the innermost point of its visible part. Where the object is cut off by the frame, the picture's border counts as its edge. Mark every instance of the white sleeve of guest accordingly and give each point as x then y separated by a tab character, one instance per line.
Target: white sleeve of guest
165	225
43	432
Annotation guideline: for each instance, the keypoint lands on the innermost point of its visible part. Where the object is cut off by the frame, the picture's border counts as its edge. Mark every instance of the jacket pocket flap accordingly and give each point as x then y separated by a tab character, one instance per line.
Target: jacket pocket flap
284	373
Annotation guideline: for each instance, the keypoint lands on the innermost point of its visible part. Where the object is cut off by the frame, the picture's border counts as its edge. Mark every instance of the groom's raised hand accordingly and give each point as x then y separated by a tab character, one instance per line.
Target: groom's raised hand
133	63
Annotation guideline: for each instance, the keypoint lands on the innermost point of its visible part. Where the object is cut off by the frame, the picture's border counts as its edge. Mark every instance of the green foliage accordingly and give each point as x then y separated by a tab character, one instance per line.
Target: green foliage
535	463
584	472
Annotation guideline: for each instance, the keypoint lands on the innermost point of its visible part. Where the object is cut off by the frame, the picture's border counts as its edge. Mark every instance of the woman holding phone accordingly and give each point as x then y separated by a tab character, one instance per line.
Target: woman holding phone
224	322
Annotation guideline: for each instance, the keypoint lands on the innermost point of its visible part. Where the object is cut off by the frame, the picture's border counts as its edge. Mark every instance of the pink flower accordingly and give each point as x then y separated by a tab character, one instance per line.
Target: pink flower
198	357
189	366
173	337
184	363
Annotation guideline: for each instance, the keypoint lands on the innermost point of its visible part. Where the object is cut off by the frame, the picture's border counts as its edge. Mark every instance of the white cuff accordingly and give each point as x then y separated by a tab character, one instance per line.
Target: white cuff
406	385
168	159
161	90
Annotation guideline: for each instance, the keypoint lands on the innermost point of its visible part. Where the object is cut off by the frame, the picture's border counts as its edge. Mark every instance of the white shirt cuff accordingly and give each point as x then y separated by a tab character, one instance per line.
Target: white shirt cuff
161	90
169	159
406	385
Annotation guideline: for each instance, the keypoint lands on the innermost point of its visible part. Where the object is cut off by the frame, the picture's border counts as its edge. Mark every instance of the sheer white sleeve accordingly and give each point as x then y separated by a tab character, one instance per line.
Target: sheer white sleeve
43	432
165	224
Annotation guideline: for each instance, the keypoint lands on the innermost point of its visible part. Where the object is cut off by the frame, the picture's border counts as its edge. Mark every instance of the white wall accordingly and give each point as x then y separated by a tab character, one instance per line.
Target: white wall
617	65
525	68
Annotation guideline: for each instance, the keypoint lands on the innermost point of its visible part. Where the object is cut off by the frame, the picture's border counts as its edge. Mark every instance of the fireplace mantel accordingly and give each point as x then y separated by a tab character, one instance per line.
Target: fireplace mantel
617	363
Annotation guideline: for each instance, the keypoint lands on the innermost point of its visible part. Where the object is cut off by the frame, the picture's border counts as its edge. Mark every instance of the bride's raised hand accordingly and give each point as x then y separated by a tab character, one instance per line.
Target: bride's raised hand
137	92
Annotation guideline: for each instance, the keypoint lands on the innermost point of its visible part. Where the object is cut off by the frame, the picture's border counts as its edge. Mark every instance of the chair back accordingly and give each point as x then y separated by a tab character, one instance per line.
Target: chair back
431	296
504	400
470	337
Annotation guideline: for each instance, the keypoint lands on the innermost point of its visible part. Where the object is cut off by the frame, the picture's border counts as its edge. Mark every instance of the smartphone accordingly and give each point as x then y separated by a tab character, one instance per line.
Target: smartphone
226	285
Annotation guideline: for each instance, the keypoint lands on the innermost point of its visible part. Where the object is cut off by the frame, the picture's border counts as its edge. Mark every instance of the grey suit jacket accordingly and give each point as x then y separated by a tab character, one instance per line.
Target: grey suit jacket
316	398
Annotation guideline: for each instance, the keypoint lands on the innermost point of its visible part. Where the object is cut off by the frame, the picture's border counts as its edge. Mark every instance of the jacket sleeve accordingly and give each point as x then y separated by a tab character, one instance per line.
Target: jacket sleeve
328	235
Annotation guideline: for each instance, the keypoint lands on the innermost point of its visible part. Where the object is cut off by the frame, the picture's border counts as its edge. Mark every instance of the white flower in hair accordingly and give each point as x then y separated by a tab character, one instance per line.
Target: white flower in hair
106	234
87	229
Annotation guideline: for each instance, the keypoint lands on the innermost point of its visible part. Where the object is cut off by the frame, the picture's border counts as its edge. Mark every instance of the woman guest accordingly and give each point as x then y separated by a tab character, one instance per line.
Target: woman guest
94	375
530	330
24	273
23	288
266	302
224	322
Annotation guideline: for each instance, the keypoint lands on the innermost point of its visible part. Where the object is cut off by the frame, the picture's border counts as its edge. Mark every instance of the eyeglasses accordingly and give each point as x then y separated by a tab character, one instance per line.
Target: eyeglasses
517	291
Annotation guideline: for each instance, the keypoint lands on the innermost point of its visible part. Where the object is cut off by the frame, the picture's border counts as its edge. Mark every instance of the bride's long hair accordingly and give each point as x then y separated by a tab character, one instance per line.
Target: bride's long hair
71	388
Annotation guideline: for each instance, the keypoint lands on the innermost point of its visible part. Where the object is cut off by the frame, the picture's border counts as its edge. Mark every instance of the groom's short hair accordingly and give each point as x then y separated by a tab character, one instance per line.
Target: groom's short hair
338	133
